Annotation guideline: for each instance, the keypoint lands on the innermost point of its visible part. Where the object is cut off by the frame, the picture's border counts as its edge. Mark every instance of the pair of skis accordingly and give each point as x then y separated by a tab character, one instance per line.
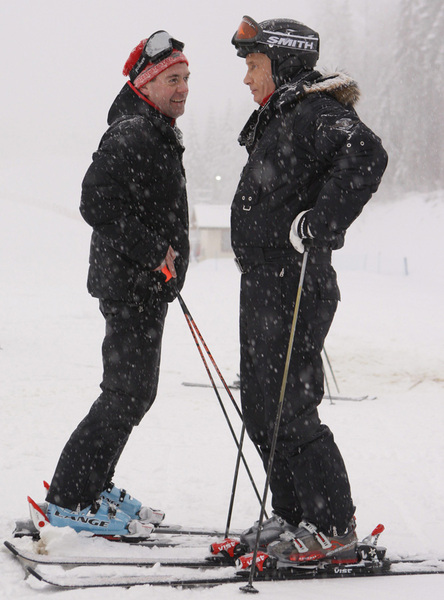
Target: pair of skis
201	572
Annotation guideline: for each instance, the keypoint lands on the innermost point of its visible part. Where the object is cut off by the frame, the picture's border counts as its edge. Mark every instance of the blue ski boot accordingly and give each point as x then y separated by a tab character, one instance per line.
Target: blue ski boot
100	518
131	506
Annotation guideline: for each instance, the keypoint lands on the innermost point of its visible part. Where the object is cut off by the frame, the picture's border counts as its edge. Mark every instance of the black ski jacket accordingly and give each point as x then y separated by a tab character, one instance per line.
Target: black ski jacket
134	197
307	149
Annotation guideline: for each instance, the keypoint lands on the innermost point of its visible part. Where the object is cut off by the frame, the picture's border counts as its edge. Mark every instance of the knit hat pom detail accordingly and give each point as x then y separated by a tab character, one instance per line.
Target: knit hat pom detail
133	57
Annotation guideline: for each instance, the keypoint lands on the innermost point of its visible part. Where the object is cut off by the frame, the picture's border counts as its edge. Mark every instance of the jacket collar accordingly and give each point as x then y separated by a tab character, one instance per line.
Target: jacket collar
131	102
260	117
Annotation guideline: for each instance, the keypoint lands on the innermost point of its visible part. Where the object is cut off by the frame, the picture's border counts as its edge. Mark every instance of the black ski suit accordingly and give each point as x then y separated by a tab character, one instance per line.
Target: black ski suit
307	150
134	197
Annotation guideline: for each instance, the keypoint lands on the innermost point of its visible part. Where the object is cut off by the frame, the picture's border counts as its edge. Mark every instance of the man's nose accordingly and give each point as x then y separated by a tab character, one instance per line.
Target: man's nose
182	88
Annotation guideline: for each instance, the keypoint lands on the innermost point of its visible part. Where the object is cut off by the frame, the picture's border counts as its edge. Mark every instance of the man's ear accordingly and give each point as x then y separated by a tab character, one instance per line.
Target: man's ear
145	89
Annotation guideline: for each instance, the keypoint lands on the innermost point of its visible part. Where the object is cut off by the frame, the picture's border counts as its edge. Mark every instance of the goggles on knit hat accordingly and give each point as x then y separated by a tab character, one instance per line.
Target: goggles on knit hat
152	56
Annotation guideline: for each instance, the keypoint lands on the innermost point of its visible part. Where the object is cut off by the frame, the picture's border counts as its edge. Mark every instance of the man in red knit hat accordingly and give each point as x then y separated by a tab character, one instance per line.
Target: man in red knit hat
158	81
134	198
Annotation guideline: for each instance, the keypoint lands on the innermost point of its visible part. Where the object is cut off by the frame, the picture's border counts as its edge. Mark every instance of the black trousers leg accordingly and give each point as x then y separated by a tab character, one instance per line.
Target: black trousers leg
309	478
131	359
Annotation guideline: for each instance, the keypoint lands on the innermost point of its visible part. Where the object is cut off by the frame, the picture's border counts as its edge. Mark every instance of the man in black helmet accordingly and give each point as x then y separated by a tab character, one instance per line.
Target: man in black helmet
312	167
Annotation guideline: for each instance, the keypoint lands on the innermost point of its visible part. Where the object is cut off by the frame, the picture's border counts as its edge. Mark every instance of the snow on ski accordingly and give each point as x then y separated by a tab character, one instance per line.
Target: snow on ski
64	571
194	563
73	582
98	561
26	528
201	572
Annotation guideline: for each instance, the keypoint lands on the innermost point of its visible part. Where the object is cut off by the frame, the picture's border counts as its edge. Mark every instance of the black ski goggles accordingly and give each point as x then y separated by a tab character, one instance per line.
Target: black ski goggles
247	33
158	46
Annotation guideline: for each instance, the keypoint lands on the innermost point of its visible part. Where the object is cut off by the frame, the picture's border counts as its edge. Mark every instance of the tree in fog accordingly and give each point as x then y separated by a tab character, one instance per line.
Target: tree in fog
396	55
416	98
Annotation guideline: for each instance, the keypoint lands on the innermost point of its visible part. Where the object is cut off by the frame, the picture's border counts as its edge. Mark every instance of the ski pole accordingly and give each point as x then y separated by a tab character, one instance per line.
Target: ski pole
193	325
249	588
238	444
242	436
195	332
331	370
235	479
328	386
194	329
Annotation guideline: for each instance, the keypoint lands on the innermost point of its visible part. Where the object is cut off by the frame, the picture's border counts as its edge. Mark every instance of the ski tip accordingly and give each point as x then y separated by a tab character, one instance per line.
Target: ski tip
46	485
11	548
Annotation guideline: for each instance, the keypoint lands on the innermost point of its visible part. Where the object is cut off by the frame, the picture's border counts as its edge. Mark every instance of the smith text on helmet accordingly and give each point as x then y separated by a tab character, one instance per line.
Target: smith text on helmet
299	42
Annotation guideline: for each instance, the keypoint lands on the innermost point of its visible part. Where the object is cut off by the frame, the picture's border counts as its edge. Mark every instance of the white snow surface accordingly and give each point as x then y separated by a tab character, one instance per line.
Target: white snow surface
386	342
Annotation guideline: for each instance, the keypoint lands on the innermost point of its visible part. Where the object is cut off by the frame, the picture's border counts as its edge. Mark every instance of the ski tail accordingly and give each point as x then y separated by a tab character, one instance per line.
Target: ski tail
38	514
374	535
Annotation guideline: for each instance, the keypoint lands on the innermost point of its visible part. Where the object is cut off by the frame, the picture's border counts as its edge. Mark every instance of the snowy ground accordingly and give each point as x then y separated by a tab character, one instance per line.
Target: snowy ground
386	341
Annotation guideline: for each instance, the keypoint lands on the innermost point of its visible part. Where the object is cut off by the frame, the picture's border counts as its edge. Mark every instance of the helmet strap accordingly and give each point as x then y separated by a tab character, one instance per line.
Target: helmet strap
285	70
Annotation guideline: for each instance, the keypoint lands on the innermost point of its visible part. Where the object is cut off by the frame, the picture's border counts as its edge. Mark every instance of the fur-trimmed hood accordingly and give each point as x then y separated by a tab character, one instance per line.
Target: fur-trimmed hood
339	85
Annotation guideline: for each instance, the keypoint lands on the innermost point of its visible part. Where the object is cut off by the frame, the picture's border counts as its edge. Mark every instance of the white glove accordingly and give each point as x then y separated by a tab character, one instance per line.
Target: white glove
296	237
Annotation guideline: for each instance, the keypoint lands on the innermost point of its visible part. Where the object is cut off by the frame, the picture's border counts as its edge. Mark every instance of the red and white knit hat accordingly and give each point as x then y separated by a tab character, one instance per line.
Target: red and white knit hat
152	70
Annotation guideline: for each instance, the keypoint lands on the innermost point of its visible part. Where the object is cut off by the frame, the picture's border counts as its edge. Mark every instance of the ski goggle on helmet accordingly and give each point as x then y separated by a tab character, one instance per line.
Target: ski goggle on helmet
277	38
158	46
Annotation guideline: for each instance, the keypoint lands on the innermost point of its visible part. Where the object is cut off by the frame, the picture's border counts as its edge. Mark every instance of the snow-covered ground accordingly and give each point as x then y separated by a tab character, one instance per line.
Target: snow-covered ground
386	341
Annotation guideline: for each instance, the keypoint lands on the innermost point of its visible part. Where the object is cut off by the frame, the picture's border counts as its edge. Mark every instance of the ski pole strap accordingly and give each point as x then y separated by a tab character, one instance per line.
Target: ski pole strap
167	273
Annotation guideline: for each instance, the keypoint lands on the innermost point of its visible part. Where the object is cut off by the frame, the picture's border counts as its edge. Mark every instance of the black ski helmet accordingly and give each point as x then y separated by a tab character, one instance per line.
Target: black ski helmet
290	45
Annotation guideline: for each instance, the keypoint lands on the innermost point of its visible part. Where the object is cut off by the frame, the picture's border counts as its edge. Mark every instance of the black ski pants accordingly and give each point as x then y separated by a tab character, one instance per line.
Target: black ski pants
131	359
308	480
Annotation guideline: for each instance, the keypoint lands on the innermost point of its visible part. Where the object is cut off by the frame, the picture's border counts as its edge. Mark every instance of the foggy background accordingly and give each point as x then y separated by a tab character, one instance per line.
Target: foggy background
61	66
